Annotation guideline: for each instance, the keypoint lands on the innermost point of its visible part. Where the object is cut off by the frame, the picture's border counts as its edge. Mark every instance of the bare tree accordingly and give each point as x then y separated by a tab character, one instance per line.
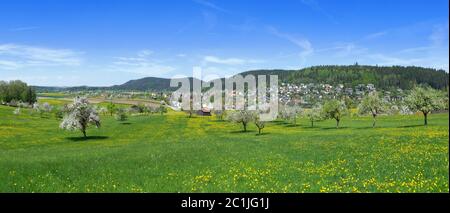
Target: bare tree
259	123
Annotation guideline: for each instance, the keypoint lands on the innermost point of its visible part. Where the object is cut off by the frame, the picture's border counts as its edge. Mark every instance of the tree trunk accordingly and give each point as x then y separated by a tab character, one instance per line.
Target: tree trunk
425	114
374	120
312	123
245	127
84	133
337	123
259	131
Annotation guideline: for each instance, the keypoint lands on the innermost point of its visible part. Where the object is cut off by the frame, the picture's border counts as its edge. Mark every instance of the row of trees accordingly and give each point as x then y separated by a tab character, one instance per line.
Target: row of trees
112	109
80	114
422	99
14	92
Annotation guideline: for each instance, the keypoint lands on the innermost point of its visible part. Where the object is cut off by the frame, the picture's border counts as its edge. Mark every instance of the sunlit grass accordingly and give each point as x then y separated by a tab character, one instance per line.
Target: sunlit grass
173	153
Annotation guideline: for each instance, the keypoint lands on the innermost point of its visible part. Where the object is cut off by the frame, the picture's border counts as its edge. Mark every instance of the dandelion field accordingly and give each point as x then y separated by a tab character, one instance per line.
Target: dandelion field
174	153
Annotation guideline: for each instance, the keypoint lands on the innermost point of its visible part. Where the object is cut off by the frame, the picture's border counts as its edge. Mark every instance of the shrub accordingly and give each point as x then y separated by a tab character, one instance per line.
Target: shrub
121	115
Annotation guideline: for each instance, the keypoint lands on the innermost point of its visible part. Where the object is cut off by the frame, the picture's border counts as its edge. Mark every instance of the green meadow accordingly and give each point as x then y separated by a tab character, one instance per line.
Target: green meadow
174	153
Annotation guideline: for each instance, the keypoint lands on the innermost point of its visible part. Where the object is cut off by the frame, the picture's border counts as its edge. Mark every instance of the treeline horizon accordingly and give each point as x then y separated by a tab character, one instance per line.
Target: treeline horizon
16	91
383	77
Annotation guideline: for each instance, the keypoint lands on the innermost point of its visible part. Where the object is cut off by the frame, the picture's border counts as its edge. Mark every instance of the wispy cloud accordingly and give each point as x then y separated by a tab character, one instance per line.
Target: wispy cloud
439	35
303	43
14	56
375	35
141	64
351	48
210	5
344	49
383	59
18	29
248	25
210	19
9	65
434	54
144	53
314	5
229	61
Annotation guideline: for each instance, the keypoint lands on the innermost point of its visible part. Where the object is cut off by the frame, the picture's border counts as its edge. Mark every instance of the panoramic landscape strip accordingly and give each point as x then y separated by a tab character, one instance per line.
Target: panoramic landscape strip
325	139
214	96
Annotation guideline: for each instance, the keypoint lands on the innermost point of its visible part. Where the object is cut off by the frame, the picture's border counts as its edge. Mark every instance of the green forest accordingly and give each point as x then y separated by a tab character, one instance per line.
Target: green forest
383	77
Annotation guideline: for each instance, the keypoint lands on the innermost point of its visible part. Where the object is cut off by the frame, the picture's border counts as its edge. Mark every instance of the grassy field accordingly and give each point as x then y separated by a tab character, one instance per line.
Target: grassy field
100	102
173	153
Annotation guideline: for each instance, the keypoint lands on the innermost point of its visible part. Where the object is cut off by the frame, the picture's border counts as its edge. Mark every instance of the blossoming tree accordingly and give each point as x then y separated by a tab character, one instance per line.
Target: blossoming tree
80	115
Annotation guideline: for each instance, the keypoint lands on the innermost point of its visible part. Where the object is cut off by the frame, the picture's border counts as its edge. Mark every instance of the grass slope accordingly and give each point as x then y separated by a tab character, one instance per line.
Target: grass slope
173	153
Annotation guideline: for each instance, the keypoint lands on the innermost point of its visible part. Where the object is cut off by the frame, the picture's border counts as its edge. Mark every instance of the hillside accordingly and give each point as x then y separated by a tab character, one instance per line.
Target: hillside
148	83
383	77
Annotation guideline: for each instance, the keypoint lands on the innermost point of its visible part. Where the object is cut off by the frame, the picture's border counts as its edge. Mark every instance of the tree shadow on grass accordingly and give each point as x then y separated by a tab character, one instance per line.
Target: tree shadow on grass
367	127
279	122
263	133
327	128
311	127
242	131
293	125
78	139
411	126
219	121
126	123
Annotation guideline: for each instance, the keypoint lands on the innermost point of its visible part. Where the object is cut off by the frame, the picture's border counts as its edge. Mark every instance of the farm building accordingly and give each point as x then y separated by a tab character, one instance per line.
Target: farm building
205	111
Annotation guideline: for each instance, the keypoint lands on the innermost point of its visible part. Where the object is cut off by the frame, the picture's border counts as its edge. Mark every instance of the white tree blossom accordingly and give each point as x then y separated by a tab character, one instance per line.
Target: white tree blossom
372	104
425	100
290	113
260	124
242	116
17	111
314	114
80	115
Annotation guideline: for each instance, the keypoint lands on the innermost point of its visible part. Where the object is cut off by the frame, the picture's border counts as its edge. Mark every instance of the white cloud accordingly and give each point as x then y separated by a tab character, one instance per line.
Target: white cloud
15	56
144	53
375	35
229	61
9	65
210	19
344	49
141	64
18	29
210	5
439	35
391	60
303	43
314	5
219	72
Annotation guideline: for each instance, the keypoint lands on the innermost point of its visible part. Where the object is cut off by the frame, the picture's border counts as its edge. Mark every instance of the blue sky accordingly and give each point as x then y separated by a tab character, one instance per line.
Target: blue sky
100	43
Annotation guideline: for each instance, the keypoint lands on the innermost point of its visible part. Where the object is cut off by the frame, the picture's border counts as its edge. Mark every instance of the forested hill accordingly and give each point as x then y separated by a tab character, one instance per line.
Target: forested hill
148	83
381	76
